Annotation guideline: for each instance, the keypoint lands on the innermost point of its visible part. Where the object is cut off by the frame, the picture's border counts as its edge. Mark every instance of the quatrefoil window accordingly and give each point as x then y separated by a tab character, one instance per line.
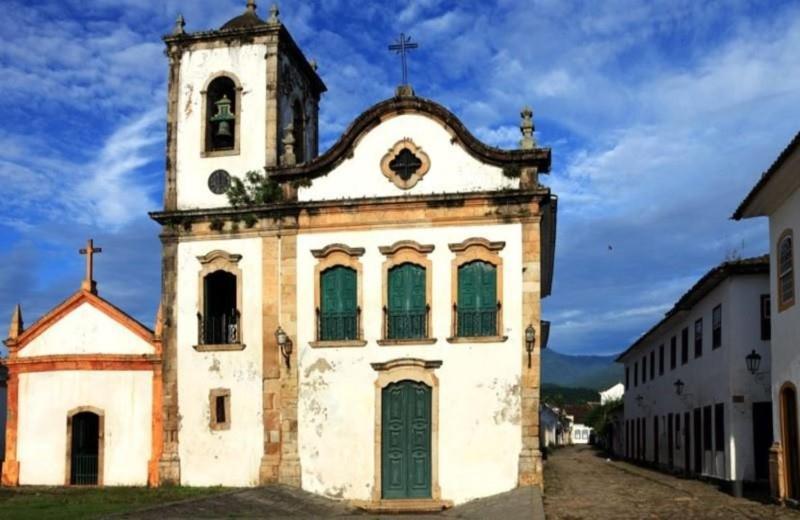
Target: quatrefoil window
405	164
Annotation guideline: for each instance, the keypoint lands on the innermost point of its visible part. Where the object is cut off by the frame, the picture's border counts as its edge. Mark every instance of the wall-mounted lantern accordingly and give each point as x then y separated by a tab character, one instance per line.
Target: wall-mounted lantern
285	345
679	387
753	360
530	341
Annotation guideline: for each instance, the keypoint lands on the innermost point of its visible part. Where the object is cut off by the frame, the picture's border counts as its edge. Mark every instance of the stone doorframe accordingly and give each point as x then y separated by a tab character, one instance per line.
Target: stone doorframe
785	486
394	371
101	419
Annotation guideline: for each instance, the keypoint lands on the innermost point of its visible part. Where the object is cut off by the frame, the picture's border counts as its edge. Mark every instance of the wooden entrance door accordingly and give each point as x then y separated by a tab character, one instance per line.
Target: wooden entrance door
84	449
762	438
698	446
406	440
670	445
687	444
790	440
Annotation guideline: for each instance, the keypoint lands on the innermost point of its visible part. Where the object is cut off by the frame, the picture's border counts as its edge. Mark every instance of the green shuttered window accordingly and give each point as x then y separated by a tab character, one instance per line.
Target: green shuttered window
477	299
407	312
338	318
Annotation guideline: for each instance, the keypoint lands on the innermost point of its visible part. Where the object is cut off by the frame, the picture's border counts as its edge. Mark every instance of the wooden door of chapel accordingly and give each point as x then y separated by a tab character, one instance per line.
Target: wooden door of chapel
406	440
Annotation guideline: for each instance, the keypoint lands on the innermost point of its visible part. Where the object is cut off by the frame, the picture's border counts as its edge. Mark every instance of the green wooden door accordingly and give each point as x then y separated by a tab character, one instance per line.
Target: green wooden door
477	299
406	440
339	304
407	313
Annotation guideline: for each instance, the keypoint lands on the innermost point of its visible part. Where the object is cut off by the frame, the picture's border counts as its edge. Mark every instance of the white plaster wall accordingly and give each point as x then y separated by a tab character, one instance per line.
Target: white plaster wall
86	330
479	399
786	324
713	378
45	398
580	433
223	457
452	168
613	393
248	64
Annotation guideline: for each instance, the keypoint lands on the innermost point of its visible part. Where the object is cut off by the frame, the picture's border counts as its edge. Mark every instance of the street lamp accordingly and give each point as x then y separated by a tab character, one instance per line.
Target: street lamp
530	340
753	360
285	344
679	387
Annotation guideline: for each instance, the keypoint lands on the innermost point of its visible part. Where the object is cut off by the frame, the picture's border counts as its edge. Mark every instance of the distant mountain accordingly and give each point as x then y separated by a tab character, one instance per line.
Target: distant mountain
595	372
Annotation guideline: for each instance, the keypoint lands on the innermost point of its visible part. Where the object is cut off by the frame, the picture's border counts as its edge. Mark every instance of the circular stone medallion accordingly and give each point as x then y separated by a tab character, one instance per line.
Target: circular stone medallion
219	182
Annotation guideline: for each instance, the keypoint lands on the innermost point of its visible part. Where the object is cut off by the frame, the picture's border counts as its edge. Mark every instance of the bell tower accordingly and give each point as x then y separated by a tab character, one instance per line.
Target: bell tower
240	98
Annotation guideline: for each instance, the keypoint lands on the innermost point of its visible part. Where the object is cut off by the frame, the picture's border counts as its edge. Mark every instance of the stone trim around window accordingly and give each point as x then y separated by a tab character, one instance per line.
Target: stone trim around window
204	152
329	256
407	251
100	443
785	303
212	262
407	144
214	423
469	250
393	371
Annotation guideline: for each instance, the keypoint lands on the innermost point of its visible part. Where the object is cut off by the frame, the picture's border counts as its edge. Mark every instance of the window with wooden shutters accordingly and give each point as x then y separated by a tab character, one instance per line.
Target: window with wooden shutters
338	318
477	300
406	313
698	338
716	327
685	346
785	271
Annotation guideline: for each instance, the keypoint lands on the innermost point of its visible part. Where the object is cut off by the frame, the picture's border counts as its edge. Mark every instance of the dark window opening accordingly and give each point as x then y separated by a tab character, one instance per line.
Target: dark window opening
220	406
716	327
652	364
636	374
766	319
685	346
221	115
661	360
673	353
698	338
85	448
719	427
644	368
405	164
219	323
707	428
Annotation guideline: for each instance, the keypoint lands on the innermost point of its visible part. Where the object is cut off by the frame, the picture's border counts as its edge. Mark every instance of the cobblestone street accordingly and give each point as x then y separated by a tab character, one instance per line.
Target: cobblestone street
580	484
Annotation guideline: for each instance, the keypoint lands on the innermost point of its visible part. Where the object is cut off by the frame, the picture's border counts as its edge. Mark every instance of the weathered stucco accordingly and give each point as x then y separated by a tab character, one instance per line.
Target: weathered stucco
479	384
228	457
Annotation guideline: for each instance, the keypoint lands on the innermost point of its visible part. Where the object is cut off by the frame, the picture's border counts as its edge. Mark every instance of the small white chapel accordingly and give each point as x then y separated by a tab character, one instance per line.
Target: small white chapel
364	324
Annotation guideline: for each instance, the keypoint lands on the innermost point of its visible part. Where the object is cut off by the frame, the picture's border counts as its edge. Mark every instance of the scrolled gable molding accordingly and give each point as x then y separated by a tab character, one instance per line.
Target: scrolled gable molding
406	244
399	146
425	364
219	256
338	248
460	247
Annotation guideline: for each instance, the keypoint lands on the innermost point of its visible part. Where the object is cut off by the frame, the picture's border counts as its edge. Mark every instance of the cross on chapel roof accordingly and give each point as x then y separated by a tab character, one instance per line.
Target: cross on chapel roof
88	283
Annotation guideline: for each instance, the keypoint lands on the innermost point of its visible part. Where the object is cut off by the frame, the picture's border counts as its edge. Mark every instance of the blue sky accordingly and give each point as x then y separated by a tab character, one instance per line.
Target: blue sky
661	115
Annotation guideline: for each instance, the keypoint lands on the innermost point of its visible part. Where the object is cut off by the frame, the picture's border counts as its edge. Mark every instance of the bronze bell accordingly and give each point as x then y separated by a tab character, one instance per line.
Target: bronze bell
223	117
224	129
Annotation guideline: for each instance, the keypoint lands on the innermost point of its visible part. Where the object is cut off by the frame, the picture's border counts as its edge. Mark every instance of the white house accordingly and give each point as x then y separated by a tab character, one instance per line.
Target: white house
691	404
612	393
777	196
551	426
365	323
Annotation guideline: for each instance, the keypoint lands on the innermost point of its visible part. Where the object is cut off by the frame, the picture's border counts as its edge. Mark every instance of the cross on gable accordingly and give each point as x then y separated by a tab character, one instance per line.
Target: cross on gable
402	47
88	283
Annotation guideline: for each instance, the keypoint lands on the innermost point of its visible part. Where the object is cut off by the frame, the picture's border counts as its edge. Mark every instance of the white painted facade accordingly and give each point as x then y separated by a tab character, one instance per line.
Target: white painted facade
580	433
207	456
452	169
718	377
479	418
612	393
549	425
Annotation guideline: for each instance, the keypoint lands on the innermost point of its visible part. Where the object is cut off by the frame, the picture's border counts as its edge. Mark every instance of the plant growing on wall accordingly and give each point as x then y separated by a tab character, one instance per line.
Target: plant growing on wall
256	189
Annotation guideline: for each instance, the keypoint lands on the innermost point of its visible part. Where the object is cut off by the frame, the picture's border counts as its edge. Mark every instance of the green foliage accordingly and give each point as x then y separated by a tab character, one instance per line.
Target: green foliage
561	395
599	418
255	190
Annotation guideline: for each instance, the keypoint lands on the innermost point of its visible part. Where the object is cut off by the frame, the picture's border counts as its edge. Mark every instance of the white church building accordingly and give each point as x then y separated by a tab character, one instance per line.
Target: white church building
364	324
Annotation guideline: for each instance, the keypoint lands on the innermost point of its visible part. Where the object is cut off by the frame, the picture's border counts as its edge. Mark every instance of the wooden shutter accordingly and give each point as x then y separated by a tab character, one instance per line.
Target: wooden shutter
477	299
339	304
407	312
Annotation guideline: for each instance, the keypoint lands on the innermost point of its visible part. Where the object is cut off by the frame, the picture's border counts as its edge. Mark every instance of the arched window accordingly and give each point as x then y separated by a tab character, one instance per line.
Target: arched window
220	319
221	108
407	312
785	271
299	131
477	299
338	312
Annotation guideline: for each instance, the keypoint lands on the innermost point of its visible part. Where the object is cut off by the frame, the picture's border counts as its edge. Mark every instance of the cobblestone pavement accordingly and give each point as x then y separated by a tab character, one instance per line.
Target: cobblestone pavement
290	503
580	484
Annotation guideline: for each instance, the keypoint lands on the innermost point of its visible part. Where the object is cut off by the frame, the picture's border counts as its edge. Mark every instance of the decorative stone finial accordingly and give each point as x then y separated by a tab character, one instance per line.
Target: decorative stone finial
251	6
288	158
313	64
16	323
180	23
404	91
528	142
273	14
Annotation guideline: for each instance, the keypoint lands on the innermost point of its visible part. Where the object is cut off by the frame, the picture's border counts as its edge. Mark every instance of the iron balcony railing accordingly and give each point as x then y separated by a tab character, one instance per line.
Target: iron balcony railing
406	324
84	470
476	322
218	329
339	326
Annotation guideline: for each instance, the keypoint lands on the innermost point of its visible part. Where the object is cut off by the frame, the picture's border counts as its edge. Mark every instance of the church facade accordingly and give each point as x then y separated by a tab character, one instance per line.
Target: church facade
364	323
